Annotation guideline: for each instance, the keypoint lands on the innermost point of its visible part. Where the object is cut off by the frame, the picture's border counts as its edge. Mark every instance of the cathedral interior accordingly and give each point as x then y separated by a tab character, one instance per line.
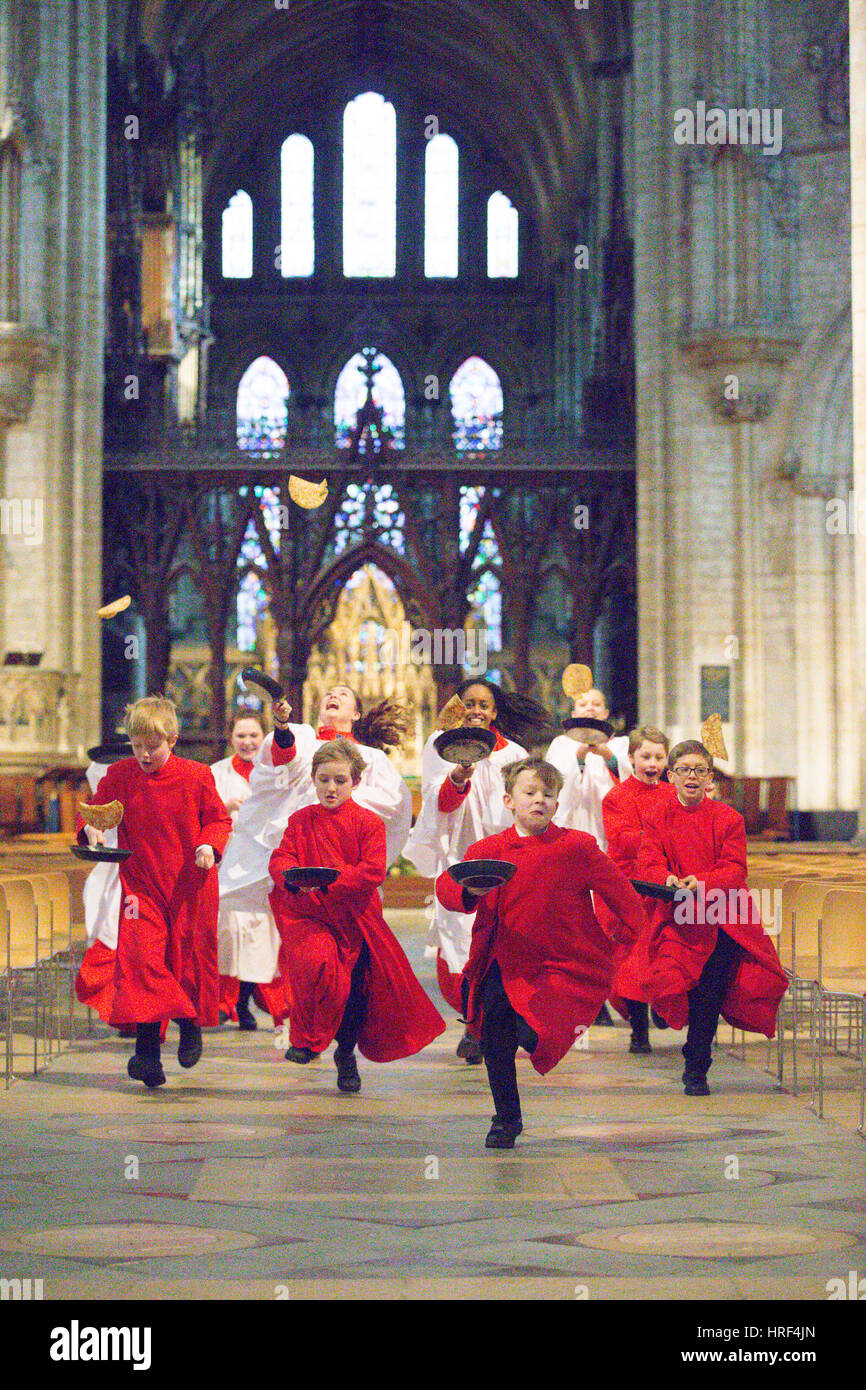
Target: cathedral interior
578	379
570	383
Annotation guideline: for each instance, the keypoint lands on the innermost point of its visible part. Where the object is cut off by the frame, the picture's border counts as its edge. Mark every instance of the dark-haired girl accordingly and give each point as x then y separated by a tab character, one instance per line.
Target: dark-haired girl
460	805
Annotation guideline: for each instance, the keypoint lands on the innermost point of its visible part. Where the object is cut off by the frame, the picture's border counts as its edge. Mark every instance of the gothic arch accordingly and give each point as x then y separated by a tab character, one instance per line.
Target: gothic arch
325	594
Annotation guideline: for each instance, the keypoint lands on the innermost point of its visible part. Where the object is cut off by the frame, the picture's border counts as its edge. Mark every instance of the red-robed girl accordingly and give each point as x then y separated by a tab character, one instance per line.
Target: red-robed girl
348	975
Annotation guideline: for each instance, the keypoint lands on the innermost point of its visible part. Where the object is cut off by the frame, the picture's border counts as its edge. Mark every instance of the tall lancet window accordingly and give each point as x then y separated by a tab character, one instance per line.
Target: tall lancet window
262	407
503	234
237	247
297	240
441	206
369	187
476	406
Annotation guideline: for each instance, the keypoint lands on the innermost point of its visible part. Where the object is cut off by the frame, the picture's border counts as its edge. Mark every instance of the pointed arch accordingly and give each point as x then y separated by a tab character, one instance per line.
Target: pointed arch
350	392
262	406
476	405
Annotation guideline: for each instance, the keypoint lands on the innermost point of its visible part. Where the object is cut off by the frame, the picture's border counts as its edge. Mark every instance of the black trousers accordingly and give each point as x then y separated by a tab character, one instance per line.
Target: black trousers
638	1017
356	1005
502	1032
705	1003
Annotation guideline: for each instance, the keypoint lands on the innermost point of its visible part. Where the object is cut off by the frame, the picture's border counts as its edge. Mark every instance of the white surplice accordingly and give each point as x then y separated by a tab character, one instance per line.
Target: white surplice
585	788
248	942
102	893
277	791
440	839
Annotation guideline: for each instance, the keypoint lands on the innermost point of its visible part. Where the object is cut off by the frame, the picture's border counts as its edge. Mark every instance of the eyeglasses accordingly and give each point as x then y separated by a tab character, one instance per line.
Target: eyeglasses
684	771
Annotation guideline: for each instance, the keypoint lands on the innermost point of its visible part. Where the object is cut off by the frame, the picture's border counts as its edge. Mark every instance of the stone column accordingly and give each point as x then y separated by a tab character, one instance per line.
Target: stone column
857	35
51	369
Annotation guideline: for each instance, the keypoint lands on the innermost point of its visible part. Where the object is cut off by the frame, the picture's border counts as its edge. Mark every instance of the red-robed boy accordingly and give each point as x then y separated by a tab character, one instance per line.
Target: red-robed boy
348	975
625	810
176	827
539	966
706	953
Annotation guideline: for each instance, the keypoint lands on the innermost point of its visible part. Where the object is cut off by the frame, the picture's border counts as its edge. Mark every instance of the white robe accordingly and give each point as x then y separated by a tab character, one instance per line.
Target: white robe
248	943
102	893
275	792
585	788
440	839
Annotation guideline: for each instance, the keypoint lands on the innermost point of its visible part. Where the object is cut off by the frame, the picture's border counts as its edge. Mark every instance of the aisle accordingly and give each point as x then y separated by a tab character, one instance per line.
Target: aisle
250	1178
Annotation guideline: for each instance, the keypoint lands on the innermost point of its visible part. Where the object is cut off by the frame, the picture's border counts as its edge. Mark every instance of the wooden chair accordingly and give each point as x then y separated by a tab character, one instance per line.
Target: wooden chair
785	948
29	949
842	978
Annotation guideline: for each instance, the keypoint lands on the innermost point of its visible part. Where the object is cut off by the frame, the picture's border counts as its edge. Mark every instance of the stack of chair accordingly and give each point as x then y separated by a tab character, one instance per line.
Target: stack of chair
38	936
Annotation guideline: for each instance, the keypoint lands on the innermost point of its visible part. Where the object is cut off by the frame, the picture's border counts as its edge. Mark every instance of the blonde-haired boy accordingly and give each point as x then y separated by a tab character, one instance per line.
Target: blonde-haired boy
176	827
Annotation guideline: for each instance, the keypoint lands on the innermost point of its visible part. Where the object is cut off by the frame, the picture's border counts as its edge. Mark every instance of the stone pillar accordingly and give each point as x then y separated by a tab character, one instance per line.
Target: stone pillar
857	36
51	369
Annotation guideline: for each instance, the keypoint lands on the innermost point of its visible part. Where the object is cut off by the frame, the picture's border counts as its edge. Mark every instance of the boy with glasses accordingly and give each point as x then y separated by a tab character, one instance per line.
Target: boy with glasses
707	953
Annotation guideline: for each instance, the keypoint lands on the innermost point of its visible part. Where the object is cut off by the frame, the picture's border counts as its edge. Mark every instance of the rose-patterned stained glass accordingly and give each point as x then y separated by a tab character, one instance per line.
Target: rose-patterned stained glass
262	407
237	237
369	187
350	393
367	508
297	239
476	406
503	238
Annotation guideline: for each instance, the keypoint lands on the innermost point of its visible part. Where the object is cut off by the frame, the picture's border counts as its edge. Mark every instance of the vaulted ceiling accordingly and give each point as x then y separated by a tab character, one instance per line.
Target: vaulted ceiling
515	74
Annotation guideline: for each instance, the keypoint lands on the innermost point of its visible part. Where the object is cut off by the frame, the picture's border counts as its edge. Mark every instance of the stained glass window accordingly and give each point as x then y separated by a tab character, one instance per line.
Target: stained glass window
503	236
297	241
369	187
351	392
252	599
476	406
441	206
237	237
365	507
484	593
262	407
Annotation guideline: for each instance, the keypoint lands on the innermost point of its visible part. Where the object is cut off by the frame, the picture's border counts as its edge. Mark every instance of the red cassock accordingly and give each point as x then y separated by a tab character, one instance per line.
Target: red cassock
94	983
322	935
166	964
625	810
556	961
709	842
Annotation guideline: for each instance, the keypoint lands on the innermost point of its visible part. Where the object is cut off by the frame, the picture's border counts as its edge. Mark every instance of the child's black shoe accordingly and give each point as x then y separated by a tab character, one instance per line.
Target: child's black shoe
658	1021
695	1083
146	1069
640	1046
348	1076
469	1049
189	1047
502	1134
301	1055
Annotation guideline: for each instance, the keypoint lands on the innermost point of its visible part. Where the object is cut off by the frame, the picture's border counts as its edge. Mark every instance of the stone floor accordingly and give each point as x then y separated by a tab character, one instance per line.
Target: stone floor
250	1178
